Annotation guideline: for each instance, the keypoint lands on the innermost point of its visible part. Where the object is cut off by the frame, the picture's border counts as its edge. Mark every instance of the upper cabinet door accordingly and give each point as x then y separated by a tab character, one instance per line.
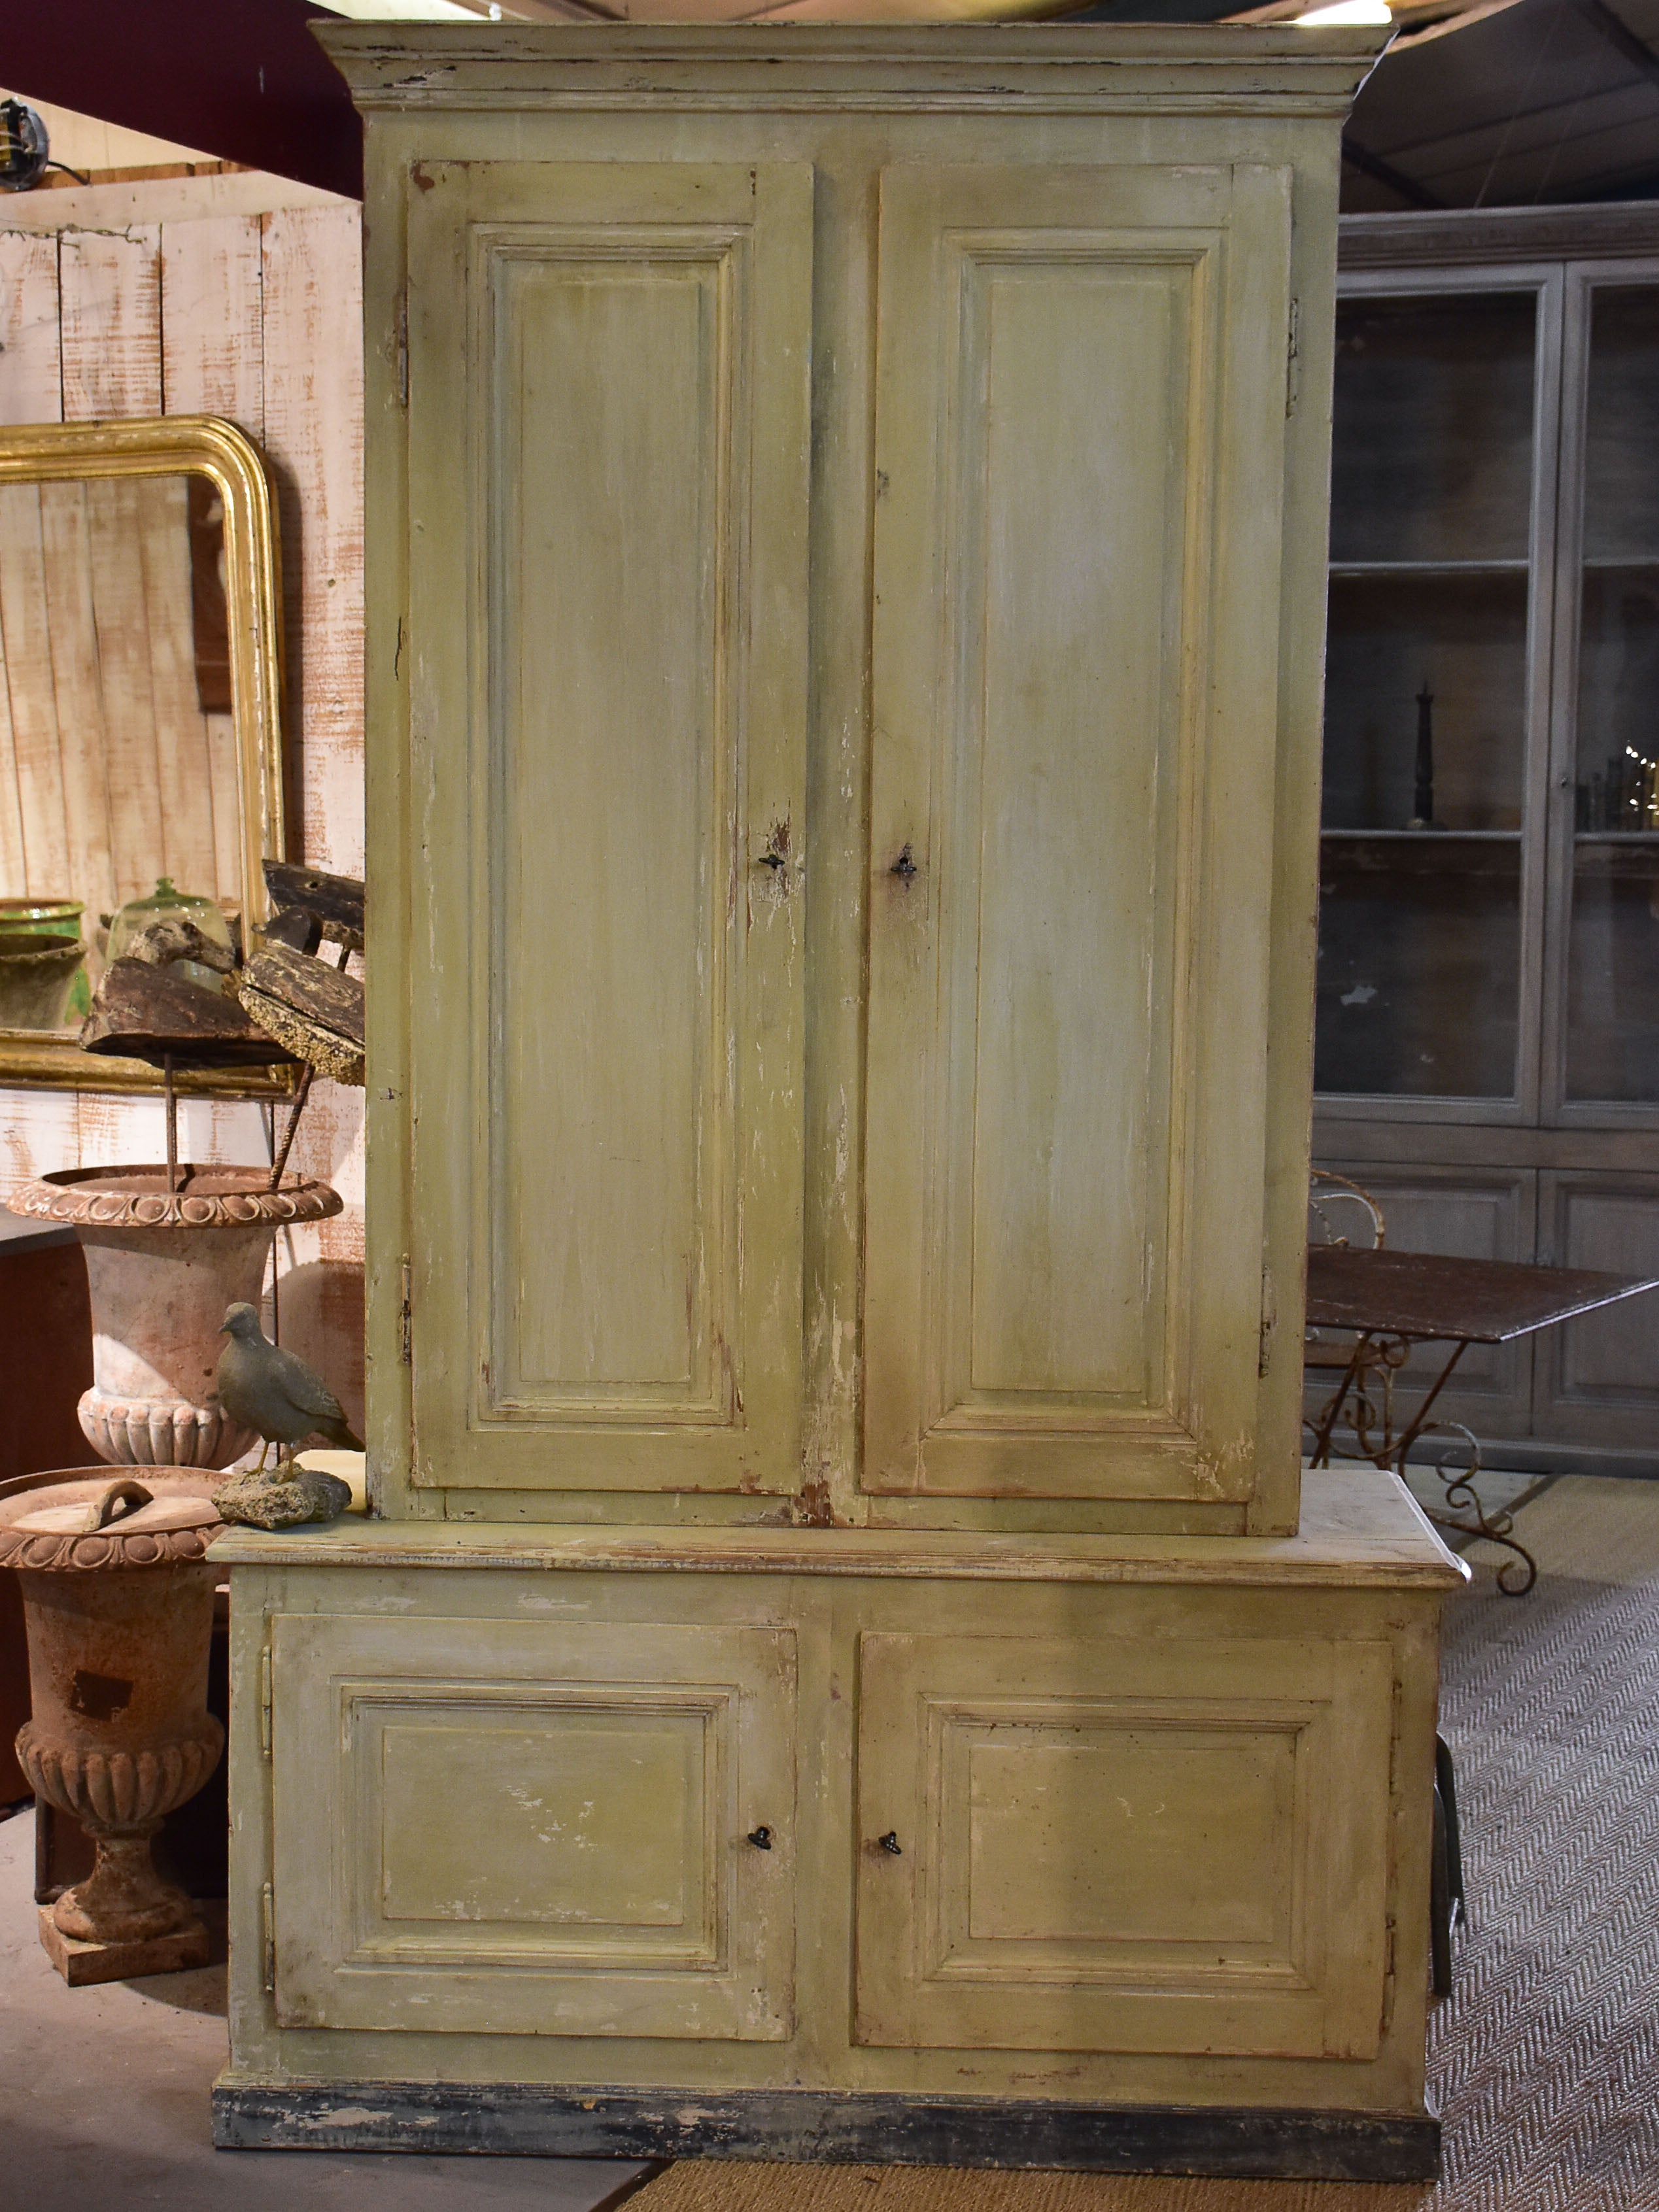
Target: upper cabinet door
608	445
1079	453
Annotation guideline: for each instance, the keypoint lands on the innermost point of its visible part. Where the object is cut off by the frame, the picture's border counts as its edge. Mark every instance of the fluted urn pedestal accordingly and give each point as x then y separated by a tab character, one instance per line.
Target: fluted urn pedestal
118	1596
161	1267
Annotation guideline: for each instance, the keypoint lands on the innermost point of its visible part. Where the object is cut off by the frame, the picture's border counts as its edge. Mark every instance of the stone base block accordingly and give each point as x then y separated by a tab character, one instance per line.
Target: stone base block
82	1964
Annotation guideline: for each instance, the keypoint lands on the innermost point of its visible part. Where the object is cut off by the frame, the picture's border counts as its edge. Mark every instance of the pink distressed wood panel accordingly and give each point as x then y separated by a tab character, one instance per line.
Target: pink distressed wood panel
110	292
257	318
31	360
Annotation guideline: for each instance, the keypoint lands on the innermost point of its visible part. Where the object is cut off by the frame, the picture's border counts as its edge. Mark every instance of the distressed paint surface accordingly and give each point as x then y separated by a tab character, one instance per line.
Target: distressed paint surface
475	1618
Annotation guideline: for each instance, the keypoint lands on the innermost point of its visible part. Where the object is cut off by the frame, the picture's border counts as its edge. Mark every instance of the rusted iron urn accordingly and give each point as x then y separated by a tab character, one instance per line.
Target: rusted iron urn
161	1267
117	1597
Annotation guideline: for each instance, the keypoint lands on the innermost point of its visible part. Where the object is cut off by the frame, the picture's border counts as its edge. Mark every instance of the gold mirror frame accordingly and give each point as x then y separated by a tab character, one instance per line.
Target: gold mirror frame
184	445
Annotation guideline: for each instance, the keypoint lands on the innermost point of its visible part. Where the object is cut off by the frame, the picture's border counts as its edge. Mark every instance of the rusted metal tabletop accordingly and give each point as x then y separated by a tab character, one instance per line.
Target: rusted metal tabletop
1394	1300
1427	1297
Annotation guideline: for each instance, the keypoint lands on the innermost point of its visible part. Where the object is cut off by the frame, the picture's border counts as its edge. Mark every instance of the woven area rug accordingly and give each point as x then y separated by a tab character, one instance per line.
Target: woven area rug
1545	2063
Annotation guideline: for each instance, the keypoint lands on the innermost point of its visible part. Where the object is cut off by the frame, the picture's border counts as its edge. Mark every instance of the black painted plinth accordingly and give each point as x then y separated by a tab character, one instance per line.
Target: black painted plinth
520	2120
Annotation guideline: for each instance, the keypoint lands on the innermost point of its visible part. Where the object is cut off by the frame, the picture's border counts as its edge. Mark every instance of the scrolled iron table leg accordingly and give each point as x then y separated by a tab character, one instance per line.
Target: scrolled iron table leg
1517	1575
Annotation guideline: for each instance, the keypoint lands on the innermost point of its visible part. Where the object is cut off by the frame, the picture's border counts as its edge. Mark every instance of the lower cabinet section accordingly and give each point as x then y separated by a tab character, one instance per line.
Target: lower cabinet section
1177	1846
1009	1849
494	1826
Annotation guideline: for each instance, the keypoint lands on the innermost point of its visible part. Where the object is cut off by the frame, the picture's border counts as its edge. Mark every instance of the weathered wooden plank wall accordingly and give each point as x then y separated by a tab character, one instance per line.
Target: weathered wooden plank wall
255	316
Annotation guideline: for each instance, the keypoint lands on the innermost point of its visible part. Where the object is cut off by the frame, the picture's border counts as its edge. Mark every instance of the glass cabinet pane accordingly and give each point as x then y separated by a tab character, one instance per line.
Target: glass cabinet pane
1431	451
1425	696
1612	981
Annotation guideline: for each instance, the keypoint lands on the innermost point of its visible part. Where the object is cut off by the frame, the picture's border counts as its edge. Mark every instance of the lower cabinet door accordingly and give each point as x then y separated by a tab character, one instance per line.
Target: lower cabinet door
1164	1845
508	1825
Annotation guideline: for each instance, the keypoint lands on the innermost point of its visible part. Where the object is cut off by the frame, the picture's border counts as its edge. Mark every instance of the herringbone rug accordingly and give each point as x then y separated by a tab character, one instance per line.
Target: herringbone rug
1546	2062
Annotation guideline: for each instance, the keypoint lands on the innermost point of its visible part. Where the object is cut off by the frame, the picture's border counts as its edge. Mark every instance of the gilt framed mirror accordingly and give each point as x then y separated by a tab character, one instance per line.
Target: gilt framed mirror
141	751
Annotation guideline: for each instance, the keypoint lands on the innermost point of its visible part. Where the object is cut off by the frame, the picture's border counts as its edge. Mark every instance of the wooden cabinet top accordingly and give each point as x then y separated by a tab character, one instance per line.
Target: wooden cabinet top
1360	1528
1236	70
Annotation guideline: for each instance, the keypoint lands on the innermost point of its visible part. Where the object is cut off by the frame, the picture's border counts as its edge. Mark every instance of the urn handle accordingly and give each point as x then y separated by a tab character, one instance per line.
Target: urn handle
101	1509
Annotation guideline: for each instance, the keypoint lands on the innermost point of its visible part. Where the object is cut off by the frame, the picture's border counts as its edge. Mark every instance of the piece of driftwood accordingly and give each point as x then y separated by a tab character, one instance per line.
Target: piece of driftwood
155	1014
173	938
296	927
337	901
316	1010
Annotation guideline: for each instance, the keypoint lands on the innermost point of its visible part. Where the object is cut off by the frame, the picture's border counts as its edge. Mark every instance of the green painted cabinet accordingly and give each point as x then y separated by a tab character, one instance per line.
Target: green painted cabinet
842	1664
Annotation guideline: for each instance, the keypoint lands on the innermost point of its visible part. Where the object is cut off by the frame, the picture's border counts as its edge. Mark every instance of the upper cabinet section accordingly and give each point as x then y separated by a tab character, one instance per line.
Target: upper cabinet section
849	509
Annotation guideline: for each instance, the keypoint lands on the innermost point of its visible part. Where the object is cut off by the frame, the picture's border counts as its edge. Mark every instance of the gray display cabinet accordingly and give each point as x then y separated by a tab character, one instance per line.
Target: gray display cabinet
1487	1059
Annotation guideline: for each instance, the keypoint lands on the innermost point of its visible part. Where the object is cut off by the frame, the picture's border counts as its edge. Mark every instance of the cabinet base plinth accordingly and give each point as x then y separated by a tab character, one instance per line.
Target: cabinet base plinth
846	2128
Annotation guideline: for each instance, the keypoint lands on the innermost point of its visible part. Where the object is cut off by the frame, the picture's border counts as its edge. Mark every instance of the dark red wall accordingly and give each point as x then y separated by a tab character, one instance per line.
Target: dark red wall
242	80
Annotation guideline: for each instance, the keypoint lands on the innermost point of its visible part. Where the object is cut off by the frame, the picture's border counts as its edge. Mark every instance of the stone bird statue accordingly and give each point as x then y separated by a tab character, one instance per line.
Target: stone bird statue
272	1393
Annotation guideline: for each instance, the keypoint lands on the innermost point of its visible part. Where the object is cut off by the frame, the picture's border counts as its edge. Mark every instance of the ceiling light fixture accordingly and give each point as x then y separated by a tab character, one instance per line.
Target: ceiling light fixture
1337	12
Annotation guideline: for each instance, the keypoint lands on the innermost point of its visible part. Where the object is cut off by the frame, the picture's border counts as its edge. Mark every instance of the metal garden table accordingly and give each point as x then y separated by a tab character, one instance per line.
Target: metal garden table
1395	1300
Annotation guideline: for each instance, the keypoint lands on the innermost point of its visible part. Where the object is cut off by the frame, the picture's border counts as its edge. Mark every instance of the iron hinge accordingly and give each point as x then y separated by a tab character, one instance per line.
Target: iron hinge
1293	360
405	1321
268	1934
1386	2021
401	345
1269	1322
264	1702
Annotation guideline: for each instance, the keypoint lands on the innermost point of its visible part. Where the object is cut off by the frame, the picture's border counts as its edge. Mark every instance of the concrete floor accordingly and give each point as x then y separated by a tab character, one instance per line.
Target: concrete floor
104	2103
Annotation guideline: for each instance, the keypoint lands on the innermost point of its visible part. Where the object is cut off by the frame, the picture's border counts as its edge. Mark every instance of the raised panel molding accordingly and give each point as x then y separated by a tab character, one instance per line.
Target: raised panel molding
1598	1377
1080	440
518	1828
608	1157
1119	1848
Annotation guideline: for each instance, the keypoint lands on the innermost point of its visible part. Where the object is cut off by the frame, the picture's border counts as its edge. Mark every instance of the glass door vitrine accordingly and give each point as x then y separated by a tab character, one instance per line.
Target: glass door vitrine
1487	1057
1610	595
1436	692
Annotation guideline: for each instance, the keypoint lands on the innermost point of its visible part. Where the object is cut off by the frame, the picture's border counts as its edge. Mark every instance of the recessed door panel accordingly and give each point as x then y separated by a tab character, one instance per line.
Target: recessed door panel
1080	439
609	704
1120	1846
516	1829
1598	1377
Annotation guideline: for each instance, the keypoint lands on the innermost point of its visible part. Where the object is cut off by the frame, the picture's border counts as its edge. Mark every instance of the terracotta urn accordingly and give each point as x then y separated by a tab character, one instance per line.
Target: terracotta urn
161	1267
117	1597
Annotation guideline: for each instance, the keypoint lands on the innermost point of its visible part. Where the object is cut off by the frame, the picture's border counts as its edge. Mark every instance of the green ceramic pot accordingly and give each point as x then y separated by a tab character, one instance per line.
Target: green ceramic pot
37	974
45	917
